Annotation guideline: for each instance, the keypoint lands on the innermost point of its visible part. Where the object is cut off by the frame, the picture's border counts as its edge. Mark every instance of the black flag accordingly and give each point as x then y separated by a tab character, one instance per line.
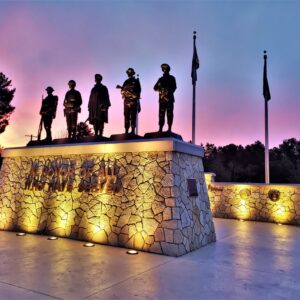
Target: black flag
195	63
266	90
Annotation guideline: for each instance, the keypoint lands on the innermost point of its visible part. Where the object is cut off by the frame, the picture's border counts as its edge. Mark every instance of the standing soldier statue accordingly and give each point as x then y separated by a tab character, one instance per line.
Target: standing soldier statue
131	93
166	86
72	104
98	106
48	113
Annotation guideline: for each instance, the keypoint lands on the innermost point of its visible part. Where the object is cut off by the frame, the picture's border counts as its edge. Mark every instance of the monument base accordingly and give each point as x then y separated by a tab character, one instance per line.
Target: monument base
162	134
125	136
148	195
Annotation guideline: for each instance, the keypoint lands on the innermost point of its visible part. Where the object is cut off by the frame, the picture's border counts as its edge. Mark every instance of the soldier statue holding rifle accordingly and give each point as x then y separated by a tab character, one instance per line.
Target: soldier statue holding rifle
98	106
166	86
48	113
72	105
131	93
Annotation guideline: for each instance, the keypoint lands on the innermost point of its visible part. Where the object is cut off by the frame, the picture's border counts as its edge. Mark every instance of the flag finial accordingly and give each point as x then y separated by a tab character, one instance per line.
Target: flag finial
265	54
194	34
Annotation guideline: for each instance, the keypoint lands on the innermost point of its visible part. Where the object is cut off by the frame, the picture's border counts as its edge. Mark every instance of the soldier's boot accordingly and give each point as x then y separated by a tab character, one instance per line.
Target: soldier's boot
126	130
160	129
169	128
48	135
132	130
101	129
96	130
69	134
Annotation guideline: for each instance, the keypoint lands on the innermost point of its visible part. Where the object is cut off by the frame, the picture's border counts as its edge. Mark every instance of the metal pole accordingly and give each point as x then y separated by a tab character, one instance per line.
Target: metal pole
267	167
193	114
194	99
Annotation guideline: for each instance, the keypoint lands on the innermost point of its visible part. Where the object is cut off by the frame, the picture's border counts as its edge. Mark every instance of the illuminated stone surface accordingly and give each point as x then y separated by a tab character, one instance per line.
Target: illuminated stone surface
249	261
132	199
252	201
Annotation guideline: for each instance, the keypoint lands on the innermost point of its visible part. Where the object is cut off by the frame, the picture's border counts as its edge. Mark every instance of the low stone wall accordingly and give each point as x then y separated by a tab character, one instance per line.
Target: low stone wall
121	194
275	203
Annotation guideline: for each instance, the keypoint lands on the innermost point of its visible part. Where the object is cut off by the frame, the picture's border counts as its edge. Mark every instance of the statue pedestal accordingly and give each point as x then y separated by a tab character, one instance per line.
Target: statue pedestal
147	195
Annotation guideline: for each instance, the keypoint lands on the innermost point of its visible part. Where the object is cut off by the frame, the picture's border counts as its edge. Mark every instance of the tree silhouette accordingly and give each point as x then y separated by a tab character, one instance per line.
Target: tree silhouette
6	95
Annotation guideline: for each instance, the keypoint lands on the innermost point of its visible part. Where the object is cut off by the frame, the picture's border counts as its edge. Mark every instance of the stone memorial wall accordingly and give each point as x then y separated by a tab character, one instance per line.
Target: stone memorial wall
276	203
131	194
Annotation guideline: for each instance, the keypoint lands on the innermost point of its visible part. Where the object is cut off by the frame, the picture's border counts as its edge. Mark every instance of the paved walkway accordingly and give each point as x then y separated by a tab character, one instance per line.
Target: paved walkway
249	261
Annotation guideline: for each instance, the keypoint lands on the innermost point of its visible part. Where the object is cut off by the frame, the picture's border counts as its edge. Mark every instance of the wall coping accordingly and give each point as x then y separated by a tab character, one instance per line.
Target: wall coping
256	184
151	145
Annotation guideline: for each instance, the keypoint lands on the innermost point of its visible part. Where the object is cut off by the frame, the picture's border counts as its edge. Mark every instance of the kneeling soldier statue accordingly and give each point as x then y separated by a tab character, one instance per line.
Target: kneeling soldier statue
48	113
131	93
166	86
98	106
72	105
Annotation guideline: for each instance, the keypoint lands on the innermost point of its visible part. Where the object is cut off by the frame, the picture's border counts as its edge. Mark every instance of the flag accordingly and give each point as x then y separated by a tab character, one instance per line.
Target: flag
266	90
195	64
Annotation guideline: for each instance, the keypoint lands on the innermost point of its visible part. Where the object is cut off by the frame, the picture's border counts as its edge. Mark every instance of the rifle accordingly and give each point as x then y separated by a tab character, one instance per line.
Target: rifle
41	125
40	129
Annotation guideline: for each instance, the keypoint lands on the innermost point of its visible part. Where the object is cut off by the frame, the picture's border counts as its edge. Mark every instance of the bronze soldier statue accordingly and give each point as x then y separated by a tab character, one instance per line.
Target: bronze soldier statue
72	105
131	93
48	113
98	106
166	86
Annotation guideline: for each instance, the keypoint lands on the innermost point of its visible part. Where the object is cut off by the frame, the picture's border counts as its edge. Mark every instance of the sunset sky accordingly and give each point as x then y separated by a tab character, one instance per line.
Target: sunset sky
50	42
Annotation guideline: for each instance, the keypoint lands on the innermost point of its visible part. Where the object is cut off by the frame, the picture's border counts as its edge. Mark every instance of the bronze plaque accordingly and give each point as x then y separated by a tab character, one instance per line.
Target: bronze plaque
192	187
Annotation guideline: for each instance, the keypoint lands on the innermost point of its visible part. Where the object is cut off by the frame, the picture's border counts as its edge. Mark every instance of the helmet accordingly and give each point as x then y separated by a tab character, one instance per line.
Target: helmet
50	89
99	76
72	82
130	71
165	67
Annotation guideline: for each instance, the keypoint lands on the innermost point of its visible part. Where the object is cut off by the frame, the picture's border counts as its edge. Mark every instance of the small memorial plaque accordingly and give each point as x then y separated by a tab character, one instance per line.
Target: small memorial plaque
192	187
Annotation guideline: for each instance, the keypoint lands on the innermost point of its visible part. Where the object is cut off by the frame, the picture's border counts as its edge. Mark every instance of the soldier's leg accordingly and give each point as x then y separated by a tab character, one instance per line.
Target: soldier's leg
74	124
96	127
47	124
69	125
170	114
162	112
133	114
101	128
127	118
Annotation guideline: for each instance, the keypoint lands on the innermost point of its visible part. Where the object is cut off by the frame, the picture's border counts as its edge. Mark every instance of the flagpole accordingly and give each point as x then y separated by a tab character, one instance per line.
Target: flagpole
267	166
194	100
267	161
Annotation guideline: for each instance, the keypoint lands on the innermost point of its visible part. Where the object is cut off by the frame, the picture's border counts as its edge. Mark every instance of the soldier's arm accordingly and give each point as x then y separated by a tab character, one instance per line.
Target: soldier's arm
79	99
157	85
174	87
107	100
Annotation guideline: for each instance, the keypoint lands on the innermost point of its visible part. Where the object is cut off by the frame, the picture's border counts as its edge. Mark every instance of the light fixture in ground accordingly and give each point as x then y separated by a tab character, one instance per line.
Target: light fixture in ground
88	245
241	220
279	224
52	238
20	234
132	252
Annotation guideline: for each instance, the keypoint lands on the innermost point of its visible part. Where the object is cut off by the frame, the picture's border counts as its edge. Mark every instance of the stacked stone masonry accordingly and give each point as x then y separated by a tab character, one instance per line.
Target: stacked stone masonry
135	200
275	203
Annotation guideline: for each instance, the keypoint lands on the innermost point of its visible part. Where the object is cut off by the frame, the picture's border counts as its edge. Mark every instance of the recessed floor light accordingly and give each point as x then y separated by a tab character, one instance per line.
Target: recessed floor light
279	224
20	234
88	245
51	238
132	252
241	220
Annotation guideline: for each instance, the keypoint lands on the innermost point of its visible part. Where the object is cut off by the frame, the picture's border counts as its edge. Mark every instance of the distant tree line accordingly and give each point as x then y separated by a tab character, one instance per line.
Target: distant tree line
235	163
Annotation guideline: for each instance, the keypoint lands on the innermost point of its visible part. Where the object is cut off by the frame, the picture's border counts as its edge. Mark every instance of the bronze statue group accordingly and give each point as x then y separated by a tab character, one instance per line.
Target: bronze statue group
99	104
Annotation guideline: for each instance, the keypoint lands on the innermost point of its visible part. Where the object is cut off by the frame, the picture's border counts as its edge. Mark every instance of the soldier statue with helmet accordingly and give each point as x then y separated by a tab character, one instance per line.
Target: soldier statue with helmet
48	113
131	93
72	105
166	86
